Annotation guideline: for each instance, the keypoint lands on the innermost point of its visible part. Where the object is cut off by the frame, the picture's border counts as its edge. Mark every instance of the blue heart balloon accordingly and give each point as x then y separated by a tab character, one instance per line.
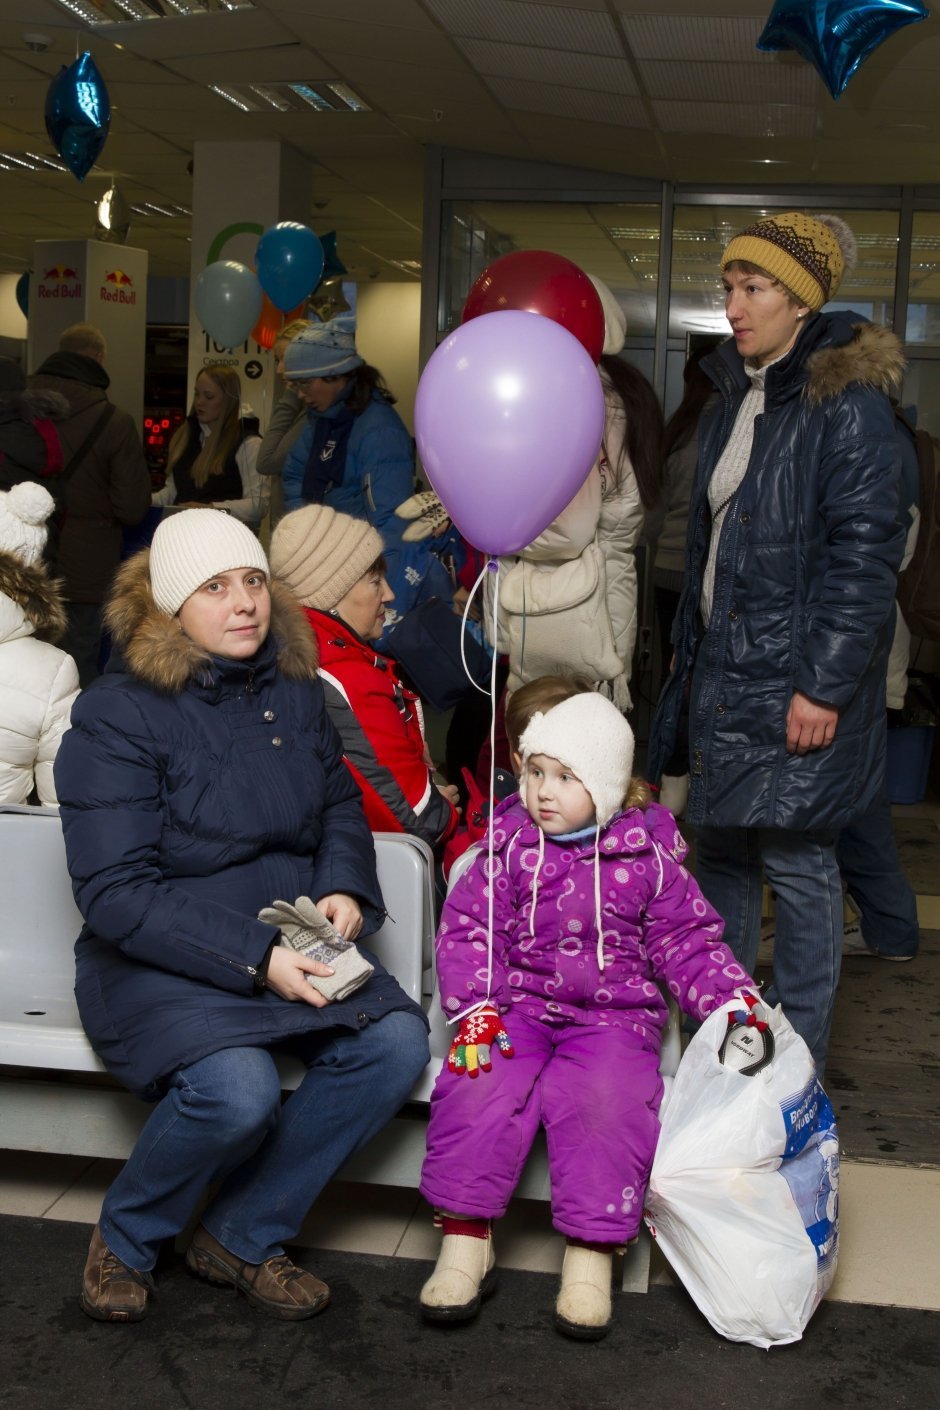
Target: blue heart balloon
289	261
78	115
837	36
22	294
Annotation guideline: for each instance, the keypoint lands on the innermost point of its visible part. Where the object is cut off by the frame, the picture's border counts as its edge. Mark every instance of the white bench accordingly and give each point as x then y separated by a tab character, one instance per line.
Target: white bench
56	1096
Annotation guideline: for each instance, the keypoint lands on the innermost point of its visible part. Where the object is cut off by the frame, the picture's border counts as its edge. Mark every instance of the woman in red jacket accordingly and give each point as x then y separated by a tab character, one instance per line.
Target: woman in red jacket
333	563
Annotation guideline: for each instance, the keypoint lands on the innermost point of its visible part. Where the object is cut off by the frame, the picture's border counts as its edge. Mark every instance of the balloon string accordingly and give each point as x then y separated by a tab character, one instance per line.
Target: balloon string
463	628
494	564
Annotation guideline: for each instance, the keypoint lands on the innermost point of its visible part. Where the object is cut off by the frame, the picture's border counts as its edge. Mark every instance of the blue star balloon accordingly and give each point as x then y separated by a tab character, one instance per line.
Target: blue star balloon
837	36
78	115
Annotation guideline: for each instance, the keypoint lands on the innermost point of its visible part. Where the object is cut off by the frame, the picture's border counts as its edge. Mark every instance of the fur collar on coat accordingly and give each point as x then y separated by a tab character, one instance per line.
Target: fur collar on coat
157	652
874	357
35	594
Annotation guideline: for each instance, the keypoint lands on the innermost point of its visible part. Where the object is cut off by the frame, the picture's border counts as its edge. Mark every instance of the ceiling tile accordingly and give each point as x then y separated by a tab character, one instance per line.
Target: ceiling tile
516	22
747	83
752	120
549	66
693	37
570	102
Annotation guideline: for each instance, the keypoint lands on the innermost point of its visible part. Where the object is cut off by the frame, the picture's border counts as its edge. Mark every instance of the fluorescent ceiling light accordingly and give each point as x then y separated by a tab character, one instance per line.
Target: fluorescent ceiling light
136	10
83	11
231	95
271	95
311	96
347	96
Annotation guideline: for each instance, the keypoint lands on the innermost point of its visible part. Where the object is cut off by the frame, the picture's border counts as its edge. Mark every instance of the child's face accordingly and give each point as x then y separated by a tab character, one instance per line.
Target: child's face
555	799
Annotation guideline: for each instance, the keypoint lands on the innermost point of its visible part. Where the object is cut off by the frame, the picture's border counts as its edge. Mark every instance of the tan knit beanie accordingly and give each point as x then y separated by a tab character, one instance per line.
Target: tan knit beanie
320	554
191	546
803	253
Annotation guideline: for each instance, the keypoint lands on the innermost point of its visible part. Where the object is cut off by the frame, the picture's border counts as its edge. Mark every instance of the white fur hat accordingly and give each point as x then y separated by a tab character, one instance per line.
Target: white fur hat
589	735
23	513
192	546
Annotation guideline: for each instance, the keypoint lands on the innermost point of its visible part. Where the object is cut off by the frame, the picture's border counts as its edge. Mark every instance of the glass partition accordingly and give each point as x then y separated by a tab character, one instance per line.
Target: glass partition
923	307
618	243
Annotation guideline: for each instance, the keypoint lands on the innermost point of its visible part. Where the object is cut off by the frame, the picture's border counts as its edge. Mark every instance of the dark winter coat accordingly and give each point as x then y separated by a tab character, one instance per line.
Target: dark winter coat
111	486
804	586
29	443
194	791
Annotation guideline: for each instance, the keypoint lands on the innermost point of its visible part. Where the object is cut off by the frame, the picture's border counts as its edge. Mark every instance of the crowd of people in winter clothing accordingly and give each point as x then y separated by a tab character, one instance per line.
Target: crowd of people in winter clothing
253	726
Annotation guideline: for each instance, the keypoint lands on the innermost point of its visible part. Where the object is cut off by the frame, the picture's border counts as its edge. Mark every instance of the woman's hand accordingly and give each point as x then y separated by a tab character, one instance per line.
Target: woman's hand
343	912
451	792
809	726
286	971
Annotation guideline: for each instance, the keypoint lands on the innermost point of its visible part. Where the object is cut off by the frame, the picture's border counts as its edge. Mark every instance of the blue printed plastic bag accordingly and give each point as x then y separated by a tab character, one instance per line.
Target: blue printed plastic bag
744	1192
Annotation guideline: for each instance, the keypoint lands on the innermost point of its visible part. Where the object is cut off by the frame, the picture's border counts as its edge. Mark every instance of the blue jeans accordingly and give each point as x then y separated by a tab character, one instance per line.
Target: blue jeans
222	1119
801	869
868	859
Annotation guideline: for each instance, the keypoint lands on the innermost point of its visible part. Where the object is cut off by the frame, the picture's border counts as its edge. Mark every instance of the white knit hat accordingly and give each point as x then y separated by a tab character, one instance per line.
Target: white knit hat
23	513
588	734
615	320
194	545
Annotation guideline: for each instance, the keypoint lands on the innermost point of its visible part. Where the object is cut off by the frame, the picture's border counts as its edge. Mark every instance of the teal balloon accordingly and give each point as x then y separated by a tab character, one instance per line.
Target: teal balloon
837	36
78	115
22	294
228	302
289	261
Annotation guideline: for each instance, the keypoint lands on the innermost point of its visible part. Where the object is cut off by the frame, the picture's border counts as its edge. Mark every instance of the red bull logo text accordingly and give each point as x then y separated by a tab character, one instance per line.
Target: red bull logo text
60	282
122	289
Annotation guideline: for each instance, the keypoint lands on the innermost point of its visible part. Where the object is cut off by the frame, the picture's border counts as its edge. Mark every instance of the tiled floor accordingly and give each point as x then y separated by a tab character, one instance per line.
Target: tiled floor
890	1213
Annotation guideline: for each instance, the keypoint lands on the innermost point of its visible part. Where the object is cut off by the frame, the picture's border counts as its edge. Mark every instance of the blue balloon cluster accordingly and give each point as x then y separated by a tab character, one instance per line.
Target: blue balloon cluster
837	36
78	114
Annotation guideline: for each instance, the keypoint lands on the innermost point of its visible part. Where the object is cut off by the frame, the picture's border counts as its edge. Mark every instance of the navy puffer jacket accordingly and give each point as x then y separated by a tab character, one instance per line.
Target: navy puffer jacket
194	791
804	586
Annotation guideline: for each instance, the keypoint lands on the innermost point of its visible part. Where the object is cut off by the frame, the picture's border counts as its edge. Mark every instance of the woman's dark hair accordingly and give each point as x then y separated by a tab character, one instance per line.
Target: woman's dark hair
698	388
644	427
365	380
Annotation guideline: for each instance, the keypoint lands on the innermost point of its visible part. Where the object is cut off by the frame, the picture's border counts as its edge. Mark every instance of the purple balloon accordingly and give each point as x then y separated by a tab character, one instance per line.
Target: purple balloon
509	417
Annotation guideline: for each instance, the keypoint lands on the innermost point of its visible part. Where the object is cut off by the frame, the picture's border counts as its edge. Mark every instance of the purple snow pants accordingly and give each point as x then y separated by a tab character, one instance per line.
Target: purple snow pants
597	1093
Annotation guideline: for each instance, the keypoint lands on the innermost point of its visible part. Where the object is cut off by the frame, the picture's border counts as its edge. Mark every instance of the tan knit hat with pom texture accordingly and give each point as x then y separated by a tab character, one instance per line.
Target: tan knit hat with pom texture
321	554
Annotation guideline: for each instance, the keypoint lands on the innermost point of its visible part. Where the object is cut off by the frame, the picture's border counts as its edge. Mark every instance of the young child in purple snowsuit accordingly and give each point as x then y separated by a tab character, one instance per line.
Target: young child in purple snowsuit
592	911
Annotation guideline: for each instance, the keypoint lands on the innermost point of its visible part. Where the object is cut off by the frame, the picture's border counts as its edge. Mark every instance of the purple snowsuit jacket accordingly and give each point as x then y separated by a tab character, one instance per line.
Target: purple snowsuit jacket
658	928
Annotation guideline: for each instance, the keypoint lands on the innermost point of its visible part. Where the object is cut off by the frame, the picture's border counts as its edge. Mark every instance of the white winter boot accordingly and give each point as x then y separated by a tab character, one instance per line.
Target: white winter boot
583	1307
464	1275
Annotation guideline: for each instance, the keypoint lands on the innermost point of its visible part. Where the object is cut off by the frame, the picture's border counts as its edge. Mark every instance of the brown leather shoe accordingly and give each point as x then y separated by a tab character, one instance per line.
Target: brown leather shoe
277	1286
112	1292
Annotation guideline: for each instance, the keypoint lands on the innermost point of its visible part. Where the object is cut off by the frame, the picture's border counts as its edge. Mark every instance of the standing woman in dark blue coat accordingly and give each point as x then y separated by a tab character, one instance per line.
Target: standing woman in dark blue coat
786	615
200	782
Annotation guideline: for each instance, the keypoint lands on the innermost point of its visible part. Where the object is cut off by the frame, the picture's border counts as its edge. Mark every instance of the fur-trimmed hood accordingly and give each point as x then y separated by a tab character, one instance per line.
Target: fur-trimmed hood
873	357
33	404
155	650
37	597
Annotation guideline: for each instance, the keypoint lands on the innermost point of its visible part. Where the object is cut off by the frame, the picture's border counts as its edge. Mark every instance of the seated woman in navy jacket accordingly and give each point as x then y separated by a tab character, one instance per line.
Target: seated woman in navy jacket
201	781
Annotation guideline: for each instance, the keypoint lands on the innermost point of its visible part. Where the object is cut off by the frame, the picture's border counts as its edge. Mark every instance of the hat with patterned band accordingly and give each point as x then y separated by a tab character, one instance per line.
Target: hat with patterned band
803	253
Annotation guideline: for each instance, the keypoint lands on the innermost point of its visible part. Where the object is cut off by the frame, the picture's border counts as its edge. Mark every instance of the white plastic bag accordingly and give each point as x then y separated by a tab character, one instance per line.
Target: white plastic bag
744	1192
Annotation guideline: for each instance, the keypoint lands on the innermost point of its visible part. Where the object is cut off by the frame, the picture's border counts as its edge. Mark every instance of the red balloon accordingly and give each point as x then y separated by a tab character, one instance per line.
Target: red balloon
268	326
537	281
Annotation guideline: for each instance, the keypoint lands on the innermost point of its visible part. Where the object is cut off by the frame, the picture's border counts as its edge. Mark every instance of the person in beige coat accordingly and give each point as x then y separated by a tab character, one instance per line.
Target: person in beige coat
38	682
568	602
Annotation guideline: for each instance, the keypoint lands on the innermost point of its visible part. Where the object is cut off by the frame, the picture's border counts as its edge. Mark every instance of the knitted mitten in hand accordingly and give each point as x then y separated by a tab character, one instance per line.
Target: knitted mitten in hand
427	514
306	929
